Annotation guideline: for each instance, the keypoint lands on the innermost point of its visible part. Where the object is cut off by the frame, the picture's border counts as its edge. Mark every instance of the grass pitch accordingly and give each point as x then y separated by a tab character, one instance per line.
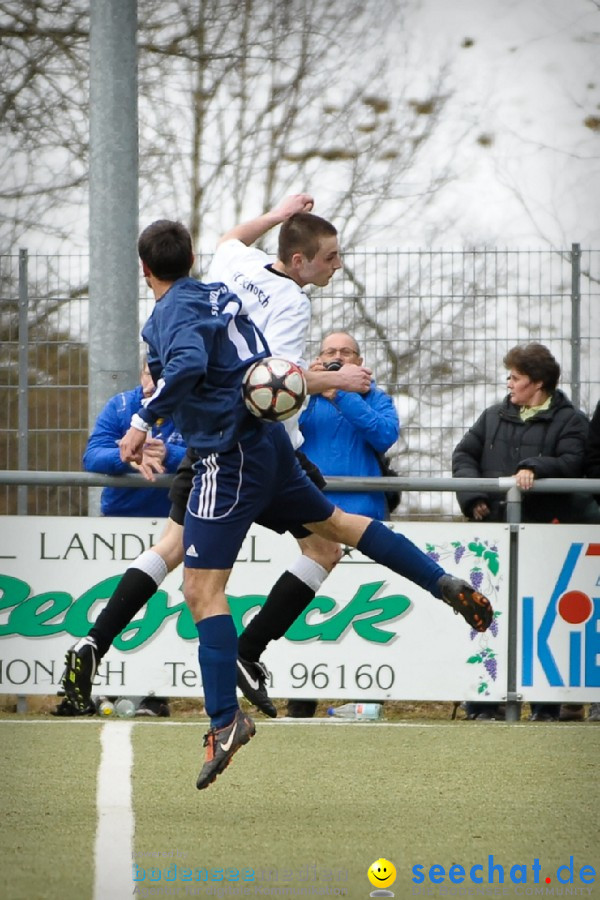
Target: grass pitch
339	797
48	819
305	804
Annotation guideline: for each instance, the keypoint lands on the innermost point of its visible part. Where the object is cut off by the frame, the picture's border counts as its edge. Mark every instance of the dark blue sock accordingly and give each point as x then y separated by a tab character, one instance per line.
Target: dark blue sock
400	555
217	656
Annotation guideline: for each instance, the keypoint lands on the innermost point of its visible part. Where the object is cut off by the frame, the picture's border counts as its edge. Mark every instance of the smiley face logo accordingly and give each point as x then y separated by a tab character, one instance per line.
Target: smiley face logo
382	873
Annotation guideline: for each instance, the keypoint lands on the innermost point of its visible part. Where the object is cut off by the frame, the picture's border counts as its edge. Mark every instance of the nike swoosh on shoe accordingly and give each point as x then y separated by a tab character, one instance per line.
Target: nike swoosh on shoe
253	682
225	746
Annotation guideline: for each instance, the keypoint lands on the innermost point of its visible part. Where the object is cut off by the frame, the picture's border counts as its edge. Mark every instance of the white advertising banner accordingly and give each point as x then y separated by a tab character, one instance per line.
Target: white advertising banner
559	613
369	634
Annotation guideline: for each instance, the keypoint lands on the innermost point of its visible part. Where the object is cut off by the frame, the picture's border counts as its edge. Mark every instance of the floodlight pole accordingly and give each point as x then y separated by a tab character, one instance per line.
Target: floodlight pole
114	279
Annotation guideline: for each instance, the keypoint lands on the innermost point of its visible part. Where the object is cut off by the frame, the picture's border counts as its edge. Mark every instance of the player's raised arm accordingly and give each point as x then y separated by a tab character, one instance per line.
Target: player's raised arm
251	231
356	379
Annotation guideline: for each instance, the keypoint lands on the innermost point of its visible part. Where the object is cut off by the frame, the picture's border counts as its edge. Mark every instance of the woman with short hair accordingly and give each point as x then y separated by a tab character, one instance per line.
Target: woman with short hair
534	432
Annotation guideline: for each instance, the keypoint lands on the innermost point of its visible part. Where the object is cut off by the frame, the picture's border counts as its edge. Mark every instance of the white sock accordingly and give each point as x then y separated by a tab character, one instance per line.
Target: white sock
151	563
308	571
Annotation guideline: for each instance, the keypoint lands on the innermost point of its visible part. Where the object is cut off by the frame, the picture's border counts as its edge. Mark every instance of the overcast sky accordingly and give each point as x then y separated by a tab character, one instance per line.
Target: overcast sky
526	75
523	78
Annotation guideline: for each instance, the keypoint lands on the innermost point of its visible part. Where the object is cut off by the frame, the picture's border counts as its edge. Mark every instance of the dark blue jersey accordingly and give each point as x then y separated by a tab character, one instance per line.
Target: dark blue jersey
200	345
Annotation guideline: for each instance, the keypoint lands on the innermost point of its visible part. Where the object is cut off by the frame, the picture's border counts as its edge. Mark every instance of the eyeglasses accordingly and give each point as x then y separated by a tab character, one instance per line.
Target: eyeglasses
344	352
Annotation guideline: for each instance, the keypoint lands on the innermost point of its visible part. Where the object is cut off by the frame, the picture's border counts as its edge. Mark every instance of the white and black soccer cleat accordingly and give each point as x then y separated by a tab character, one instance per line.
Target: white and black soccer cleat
252	680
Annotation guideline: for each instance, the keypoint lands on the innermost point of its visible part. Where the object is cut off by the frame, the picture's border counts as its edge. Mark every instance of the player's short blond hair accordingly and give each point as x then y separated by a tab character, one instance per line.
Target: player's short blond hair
302	233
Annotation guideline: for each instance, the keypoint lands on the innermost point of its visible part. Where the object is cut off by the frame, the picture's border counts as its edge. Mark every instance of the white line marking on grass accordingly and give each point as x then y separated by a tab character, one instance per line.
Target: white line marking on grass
280	723
114	836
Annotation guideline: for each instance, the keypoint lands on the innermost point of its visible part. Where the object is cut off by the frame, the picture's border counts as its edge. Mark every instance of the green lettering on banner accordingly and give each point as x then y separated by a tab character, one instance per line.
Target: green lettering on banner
240	606
26	618
157	611
378	609
32	615
13	591
77	621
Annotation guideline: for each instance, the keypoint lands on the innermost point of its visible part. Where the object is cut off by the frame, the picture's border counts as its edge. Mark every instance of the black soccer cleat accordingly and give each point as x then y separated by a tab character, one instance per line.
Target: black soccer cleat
66	708
81	664
252	680
221	744
464	599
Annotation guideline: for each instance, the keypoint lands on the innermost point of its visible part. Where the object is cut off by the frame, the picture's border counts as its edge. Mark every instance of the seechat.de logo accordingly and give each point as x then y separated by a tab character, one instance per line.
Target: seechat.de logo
561	635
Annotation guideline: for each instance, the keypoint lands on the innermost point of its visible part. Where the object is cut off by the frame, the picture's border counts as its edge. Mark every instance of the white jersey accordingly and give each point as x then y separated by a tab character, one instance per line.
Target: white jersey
274	302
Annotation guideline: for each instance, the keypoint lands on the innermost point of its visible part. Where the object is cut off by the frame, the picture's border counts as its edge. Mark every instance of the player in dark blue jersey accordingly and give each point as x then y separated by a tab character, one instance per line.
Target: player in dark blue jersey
200	345
245	471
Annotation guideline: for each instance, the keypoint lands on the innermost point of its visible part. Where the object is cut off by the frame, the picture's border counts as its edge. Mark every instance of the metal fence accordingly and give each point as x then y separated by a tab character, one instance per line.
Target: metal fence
433	325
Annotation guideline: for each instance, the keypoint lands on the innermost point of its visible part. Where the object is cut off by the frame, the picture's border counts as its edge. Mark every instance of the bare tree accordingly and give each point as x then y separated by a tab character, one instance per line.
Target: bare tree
240	102
43	116
250	100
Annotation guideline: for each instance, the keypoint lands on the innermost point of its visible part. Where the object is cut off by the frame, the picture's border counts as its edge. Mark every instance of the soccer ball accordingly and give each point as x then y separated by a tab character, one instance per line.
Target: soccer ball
274	389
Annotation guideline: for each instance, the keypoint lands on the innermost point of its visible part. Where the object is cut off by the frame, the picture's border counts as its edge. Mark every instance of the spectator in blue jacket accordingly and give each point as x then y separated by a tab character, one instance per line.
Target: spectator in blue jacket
346	433
163	451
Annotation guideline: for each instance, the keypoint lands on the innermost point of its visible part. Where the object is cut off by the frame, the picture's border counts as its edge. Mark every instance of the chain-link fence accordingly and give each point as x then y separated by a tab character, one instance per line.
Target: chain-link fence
433	325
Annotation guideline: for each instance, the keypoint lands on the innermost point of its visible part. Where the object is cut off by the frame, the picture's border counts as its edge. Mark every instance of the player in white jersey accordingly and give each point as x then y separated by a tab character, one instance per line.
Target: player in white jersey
272	294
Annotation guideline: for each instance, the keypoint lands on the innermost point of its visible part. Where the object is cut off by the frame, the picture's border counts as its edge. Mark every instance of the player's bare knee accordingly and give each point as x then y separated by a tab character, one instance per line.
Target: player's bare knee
204	592
170	545
334	554
198	600
342	527
321	550
328	558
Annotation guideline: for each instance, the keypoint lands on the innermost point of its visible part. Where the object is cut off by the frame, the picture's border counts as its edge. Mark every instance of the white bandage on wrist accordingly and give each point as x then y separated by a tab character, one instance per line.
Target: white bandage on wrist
310	572
139	423
152	564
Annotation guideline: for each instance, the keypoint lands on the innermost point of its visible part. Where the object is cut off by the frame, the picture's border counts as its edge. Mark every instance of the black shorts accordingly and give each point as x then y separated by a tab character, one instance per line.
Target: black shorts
182	485
180	489
314	473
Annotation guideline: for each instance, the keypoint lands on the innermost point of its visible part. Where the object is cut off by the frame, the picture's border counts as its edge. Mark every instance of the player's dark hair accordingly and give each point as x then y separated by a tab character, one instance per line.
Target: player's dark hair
302	233
535	361
166	249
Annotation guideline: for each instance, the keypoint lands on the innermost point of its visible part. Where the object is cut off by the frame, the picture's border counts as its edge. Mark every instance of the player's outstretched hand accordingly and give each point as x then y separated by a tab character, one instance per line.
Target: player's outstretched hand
131	445
355	378
153	457
296	203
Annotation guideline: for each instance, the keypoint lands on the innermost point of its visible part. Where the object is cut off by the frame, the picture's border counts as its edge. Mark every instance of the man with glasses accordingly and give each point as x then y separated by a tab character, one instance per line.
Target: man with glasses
346	433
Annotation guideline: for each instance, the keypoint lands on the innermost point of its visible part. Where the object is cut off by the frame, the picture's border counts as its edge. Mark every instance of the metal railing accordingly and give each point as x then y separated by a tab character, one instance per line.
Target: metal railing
505	485
433	325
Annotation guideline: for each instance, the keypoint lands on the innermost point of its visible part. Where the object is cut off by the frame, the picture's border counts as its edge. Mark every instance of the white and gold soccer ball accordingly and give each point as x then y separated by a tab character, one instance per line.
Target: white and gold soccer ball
274	389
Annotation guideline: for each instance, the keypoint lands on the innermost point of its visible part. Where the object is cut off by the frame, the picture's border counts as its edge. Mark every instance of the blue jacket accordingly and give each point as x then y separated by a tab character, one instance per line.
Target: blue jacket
200	345
344	435
102	455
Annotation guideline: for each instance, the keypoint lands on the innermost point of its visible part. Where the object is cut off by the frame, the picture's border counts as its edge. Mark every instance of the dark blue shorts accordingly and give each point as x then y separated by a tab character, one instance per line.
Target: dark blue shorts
260	480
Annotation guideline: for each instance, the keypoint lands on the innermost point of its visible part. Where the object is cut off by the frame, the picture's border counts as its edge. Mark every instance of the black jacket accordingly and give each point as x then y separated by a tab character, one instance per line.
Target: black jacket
592	456
551	443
